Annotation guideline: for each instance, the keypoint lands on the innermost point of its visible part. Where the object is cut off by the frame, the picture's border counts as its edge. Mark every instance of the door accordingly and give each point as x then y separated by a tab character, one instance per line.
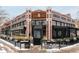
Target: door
37	36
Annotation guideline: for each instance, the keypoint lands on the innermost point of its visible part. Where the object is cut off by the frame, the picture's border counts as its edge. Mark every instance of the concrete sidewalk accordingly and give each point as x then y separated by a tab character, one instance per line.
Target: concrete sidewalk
69	49
5	49
10	47
37	49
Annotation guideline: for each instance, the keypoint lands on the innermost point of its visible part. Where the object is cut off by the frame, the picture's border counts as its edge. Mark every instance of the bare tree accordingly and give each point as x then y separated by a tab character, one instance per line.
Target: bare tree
77	15
3	16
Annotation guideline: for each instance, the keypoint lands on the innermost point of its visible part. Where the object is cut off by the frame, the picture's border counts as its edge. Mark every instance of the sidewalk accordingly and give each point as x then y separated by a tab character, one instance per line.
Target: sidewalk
5	49
10	47
13	48
69	49
37	49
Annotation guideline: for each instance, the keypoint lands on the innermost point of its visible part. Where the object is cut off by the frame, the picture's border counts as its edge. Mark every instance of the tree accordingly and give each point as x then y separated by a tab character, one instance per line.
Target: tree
3	16
77	15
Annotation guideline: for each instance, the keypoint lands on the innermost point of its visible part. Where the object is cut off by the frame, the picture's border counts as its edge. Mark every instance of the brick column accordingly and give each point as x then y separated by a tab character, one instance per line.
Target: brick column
49	30
28	23
49	25
30	28
27	30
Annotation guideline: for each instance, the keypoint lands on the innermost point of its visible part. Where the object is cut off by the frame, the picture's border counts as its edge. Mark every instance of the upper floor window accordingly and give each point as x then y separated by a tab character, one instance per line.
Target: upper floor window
69	19
33	22
57	16
21	23
38	22
63	18
44	22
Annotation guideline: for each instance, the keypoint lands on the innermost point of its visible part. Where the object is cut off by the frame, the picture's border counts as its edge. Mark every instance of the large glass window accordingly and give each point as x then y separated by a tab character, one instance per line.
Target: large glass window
72	33
62	24
54	33
38	23
37	34
58	23
59	33
53	22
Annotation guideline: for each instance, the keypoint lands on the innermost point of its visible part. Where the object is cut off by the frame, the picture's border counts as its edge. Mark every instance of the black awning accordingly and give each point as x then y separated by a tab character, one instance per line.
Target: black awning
74	28
65	27
60	27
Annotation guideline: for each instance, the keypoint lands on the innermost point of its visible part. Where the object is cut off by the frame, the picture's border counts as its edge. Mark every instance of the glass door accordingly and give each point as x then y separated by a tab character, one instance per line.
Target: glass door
37	34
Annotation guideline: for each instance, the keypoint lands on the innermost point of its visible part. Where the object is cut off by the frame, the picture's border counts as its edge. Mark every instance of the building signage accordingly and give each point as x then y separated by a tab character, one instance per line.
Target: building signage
38	14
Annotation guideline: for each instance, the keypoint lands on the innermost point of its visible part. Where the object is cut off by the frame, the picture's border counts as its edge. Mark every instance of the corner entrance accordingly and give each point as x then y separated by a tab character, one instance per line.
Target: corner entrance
37	35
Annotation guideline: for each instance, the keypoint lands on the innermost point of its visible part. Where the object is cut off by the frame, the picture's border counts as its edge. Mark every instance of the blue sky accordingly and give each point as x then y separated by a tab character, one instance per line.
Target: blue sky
13	11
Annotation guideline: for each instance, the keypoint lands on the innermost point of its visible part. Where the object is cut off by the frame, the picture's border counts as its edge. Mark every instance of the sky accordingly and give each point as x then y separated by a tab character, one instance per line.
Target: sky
14	11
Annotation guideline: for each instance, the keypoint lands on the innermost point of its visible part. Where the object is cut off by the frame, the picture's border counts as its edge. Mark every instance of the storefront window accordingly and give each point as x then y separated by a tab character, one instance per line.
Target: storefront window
58	23
54	34
72	33
39	22
59	33
62	24
53	22
37	34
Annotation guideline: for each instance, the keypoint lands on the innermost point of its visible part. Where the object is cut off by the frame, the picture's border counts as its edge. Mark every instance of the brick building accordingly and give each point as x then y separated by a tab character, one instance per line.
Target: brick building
42	24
